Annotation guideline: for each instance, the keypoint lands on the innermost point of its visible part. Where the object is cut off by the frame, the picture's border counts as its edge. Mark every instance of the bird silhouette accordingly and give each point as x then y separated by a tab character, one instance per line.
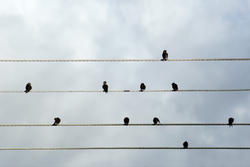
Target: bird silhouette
105	87
57	121
126	121
164	55
28	88
230	121
156	120
175	87
185	145
142	87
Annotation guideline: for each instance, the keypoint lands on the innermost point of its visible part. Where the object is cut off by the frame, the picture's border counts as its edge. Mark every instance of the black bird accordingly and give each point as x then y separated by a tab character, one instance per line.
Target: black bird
175	87
57	121
28	88
105	87
230	121
156	120
164	55
126	121
185	145
142	87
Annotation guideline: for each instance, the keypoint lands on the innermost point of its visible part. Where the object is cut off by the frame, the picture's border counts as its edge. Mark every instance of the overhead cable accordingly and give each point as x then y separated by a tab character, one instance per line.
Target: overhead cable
128	91
131	124
114	60
122	148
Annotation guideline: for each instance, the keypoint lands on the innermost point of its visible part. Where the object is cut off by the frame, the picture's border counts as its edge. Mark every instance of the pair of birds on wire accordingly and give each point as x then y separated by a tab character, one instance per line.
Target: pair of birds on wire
142	87
155	121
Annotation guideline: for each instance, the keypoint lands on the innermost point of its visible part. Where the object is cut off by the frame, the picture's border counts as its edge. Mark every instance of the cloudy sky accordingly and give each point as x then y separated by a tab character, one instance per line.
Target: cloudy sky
100	29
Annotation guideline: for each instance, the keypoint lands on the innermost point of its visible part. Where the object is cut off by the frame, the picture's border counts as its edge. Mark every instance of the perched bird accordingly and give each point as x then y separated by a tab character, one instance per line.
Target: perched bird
185	145
230	121
164	55
175	87
57	121
28	88
126	121
105	87
156	120
142	87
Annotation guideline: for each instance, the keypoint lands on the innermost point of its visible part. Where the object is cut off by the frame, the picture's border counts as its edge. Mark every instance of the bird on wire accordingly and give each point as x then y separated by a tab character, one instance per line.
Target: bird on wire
164	55
105	87
142	87
28	87
126	121
185	145
230	121
156	121
174	86
56	122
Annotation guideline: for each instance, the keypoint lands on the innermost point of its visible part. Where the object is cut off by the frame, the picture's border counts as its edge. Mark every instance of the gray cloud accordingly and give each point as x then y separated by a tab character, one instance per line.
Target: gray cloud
128	29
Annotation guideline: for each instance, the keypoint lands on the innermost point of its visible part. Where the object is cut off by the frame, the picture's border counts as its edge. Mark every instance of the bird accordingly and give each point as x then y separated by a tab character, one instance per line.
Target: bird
142	87
230	121
57	121
105	87
175	87
164	55
28	88
156	120
126	121
185	145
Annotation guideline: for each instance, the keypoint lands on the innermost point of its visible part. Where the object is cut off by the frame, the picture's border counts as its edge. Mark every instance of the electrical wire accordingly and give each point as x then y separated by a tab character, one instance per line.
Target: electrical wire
122	148
117	125
114	60
127	91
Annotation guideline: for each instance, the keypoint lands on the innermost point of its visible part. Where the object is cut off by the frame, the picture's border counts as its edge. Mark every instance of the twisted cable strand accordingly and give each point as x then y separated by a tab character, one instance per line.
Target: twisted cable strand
122	148
127	91
116	125
115	60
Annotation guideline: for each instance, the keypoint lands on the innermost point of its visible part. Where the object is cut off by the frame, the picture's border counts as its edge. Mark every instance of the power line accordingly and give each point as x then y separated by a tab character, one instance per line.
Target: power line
127	91
114	60
117	125
121	148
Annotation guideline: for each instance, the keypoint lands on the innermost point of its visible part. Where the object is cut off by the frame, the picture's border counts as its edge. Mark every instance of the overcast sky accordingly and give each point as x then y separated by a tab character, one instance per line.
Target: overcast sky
105	29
